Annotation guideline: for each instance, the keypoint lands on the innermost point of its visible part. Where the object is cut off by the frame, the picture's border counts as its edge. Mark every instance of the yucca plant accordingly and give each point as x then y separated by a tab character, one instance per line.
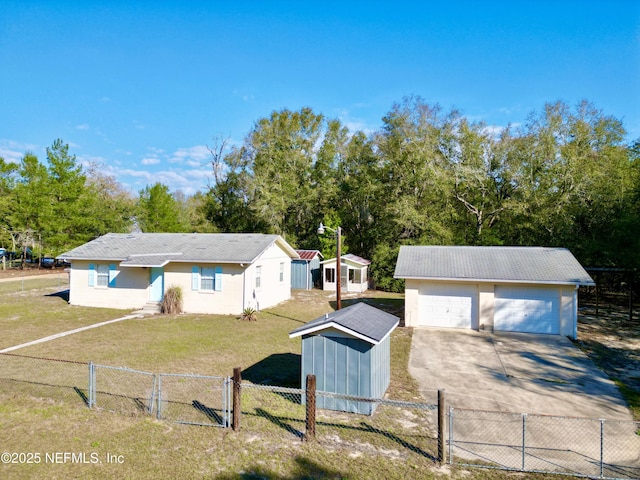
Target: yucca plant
249	314
172	301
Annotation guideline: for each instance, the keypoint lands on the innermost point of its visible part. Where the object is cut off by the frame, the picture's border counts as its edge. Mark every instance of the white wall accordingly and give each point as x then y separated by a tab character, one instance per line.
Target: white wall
131	290
271	290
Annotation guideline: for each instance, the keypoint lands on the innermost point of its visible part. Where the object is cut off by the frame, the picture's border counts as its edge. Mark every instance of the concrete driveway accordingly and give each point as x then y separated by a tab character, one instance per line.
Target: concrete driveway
515	372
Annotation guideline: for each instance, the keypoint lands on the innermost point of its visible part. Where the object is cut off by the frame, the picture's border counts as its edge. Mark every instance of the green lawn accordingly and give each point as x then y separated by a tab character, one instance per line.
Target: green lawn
142	447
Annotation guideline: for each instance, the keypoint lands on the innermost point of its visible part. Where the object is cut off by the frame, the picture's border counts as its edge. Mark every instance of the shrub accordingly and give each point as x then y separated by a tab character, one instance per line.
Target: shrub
172	301
249	314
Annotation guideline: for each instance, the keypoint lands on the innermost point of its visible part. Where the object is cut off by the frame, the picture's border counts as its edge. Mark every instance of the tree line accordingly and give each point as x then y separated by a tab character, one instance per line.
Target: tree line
566	177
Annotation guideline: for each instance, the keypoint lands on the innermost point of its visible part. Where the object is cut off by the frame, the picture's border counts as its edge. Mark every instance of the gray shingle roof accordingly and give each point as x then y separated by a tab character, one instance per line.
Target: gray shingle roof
498	264
360	319
152	249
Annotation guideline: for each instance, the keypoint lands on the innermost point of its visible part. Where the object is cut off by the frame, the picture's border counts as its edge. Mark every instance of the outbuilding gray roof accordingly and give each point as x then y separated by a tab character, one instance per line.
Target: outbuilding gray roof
497	264
360	320
157	249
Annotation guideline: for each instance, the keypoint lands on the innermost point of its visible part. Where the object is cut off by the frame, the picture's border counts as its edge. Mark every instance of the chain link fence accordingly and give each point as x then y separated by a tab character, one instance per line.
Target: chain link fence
265	407
43	377
395	429
540	443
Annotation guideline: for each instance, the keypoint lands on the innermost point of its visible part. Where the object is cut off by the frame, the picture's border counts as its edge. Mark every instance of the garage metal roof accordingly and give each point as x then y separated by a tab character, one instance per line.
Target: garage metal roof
157	249
359	320
496	264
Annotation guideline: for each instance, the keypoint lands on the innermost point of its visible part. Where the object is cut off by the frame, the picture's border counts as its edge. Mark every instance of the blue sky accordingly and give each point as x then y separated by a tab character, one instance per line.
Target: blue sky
143	87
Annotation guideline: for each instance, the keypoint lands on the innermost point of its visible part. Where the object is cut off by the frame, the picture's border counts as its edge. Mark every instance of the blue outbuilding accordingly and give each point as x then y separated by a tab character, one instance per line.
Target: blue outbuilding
305	271
349	353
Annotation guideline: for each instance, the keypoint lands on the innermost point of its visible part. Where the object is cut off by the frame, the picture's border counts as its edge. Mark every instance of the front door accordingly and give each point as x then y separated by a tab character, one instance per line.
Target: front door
156	291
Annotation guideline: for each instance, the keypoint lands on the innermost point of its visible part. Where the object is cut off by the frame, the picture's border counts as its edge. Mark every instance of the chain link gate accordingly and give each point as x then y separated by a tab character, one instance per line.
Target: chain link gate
121	389
194	399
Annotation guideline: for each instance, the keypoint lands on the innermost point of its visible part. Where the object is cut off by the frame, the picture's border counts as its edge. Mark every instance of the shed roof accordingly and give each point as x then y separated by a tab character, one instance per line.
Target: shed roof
158	249
308	255
359	320
497	264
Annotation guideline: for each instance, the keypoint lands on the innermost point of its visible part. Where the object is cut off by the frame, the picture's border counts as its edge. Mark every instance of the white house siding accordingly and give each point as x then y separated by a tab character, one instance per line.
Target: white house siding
228	300
271	290
411	302
131	290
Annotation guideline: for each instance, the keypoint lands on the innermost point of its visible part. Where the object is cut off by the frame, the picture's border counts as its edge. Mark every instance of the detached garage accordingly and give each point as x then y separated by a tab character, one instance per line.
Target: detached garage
513	289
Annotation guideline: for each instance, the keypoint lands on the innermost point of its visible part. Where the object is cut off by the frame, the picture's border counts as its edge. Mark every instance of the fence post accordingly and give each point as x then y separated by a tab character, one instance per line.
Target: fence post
310	432
441	427
601	447
91	380
450	434
229	395
237	384
524	437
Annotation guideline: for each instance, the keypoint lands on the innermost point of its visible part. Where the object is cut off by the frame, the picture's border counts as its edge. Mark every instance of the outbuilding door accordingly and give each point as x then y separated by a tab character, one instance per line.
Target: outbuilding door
527	309
448	305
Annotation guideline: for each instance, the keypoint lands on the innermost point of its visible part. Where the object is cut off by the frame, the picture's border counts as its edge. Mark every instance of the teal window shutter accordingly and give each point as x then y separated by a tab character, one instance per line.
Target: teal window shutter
92	275
218	280
112	275
195	278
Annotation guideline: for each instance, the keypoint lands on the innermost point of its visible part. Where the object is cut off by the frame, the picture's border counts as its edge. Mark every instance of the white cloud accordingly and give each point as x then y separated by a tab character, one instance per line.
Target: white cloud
192	156
150	161
13	152
354	124
82	126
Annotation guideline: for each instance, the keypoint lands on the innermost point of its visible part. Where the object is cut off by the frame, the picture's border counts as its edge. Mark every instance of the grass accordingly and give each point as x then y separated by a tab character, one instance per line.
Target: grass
208	345
36	307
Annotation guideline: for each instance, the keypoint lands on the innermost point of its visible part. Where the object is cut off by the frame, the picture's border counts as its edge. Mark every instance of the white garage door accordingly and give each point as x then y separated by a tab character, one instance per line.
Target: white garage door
527	309
453	306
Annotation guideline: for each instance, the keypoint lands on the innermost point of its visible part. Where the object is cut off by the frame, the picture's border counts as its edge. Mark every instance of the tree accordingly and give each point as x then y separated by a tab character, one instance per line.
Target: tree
66	187
158	211
106	206
31	204
8	180
361	195
414	144
281	151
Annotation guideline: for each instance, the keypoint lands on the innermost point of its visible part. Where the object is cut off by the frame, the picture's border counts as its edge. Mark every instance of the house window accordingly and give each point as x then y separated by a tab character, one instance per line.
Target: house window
258	275
330	275
102	277
357	276
207	279
281	272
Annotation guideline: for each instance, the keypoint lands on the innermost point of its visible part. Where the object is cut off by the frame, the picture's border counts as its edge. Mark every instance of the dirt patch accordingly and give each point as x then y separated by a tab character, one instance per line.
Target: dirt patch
612	341
16	273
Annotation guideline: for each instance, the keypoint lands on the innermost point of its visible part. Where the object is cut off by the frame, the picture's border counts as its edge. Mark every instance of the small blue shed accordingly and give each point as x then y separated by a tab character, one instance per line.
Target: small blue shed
349	353
305	271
